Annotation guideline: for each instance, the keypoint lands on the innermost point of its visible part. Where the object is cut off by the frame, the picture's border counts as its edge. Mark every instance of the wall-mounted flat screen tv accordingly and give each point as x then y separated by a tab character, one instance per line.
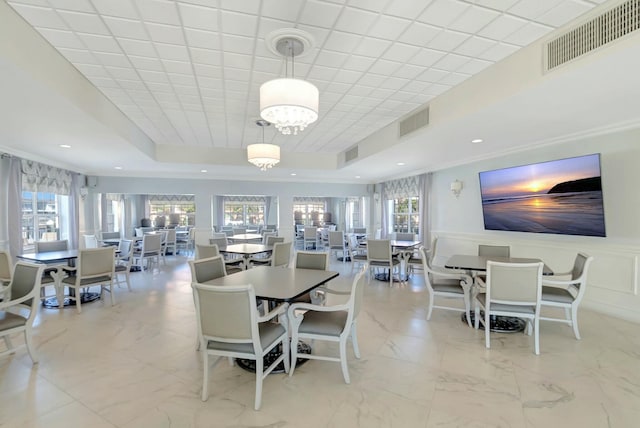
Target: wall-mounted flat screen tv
562	196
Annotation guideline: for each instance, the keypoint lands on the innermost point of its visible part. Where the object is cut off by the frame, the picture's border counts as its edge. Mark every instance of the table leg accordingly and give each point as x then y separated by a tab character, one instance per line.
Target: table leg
498	324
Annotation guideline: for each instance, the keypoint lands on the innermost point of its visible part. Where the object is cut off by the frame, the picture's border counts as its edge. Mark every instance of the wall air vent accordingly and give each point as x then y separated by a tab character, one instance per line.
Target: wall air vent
414	122
599	31
351	154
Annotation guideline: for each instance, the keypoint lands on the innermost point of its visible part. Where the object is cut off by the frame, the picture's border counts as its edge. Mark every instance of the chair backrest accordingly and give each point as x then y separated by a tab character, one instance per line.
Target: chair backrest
405	236
48	246
266	235
378	249
5	267
206	269
90	241
281	254
171	236
494	250
310	232
206	251
357	294
228	232
426	266
336	239
151	243
265	231
227	313
94	262
125	247
110	235
271	240
312	260
514	283
359	230
579	274
25	284
239	230
220	242
272	227
219	235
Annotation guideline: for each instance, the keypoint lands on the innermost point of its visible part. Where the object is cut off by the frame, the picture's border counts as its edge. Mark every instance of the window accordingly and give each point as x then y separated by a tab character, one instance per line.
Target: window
244	213
43	218
179	213
404	215
309	214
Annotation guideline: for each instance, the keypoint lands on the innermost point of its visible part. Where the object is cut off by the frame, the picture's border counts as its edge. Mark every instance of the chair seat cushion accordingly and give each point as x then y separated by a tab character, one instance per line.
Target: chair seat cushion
499	307
324	323
384	263
9	320
121	268
71	280
447	285
269	332
362	257
557	295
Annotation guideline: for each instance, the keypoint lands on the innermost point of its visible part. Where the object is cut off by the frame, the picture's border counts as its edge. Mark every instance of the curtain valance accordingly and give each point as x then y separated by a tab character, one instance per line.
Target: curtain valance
39	177
402	188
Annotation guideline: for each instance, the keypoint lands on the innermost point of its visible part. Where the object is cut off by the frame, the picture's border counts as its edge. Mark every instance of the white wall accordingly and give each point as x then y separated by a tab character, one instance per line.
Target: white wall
613	279
205	190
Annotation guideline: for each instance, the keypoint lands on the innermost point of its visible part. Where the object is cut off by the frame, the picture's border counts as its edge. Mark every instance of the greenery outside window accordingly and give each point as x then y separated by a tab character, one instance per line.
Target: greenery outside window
404	215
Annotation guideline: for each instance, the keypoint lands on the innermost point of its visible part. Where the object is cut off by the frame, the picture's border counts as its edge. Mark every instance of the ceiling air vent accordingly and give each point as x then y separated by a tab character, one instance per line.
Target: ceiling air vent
605	28
351	154
414	122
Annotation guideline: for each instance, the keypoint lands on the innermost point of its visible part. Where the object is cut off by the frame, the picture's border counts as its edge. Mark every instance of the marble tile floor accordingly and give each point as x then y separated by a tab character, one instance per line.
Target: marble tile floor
135	365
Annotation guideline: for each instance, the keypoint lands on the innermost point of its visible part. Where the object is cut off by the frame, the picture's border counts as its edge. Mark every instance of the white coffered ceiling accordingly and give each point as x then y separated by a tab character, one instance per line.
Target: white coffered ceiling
187	74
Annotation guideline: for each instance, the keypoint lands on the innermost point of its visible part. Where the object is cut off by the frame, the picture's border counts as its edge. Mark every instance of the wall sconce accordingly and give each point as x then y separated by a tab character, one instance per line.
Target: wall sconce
84	192
456	187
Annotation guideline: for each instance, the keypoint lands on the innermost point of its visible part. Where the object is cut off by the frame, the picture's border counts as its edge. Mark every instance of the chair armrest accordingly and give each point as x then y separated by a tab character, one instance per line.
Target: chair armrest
67	269
278	310
330	291
311	307
453	275
560	283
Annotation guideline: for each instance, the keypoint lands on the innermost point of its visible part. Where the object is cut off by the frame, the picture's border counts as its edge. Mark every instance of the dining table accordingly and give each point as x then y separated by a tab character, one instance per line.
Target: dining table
476	264
402	250
245	237
246	250
277	285
56	258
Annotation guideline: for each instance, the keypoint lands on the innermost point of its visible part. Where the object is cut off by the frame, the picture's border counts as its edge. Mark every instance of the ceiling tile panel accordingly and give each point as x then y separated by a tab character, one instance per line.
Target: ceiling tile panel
99	43
238	44
474	46
408	71
181	67
474	66
502	26
84	22
76	5
92	70
533	9
172	52
442	13
528	34
122	73
153	76
500	5
331	59
372	5
62	39
237	60
43	17
119	8
394	83
451	62
118	60
426	57
282	9
206	56
453	79
563	13
473	19
356	20
207	70
372	47
158	11
498	51
385	67
358	63
320	14
339	40
400	52
406	9
388	27
202	18
145	63
128	28
235	23
165	33
419	34
203	39
447	40
79	56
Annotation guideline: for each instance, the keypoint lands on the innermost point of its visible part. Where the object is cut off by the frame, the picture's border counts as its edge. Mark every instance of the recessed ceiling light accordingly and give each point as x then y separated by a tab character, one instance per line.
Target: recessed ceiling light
357	176
400	164
203	170
65	146
477	140
117	167
293	174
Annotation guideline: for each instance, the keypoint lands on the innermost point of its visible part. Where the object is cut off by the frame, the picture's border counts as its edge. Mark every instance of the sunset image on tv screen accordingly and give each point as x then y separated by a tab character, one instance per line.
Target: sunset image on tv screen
562	196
